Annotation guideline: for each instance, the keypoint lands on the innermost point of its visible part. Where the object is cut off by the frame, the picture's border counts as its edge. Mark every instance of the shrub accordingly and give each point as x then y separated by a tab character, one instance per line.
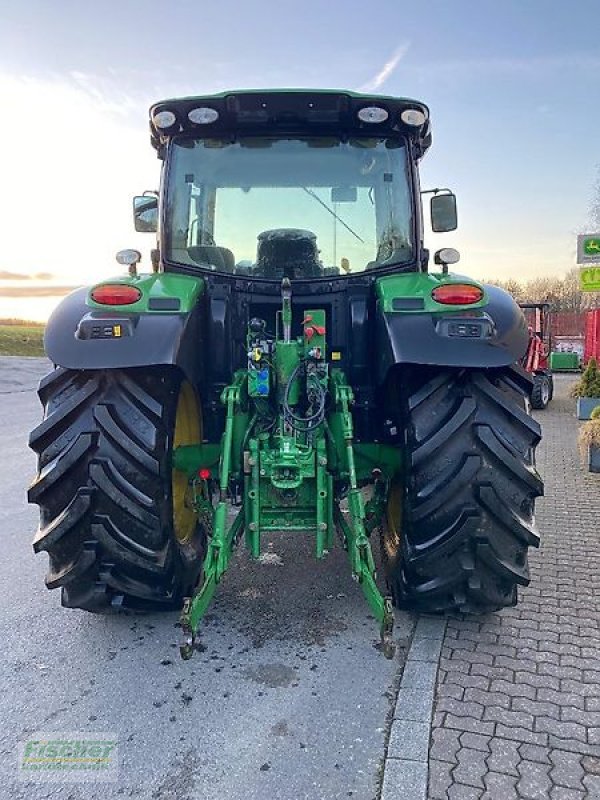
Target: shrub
589	435
589	383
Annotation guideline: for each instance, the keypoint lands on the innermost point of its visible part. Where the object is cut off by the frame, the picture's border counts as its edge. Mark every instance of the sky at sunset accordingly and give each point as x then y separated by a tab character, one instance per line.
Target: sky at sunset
513	87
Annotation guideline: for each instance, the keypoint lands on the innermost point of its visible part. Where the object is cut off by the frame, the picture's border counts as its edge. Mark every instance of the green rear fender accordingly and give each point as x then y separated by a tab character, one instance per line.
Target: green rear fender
162	327
412	328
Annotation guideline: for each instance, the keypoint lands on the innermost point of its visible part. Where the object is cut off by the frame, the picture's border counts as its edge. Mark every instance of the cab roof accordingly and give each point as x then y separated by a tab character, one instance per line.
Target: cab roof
300	112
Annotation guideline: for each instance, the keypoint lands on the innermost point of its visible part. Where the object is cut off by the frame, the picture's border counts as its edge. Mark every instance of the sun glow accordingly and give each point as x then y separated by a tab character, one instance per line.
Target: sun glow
71	162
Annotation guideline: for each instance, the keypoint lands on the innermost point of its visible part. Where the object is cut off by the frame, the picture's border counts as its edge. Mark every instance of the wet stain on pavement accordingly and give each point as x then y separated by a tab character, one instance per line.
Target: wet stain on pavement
275	676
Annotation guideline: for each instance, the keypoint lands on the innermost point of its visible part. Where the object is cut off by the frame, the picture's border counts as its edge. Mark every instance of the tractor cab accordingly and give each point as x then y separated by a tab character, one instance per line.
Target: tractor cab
304	185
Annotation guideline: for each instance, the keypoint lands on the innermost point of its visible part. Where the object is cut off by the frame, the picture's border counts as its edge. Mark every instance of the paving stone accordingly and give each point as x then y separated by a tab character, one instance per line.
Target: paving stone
419	675
488	698
538	681
425	650
438	719
577	687
450	690
440	779
594	735
592	787
570	730
458	791
459	707
591	765
414	704
468	681
445	745
565	700
502	673
536	709
496	649
567	769
514	719
521	735
471	767
533	752
475	741
562	672
534	783
474	657
591	719
409	740
404	779
504	757
513	689
573	746
499	787
561	793
469	724
430	628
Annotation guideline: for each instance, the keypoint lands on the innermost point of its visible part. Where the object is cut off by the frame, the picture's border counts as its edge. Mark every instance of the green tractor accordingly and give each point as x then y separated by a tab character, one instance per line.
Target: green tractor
289	364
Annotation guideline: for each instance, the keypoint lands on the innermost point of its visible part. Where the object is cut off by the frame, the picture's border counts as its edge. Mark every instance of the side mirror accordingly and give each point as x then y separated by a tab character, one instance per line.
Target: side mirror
443	213
145	213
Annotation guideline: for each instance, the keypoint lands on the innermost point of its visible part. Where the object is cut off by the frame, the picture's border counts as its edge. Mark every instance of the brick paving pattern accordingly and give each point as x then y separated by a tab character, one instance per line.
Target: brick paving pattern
517	710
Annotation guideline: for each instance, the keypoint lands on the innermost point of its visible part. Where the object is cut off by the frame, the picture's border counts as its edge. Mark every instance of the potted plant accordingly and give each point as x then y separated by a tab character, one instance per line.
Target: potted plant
587	390
589	441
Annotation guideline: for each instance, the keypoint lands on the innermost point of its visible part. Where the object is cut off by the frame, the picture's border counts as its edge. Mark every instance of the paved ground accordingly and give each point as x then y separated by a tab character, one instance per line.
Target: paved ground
517	712
289	700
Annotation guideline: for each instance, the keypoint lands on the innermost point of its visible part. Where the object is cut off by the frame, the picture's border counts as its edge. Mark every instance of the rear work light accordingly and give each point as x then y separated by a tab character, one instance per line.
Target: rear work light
116	294
457	294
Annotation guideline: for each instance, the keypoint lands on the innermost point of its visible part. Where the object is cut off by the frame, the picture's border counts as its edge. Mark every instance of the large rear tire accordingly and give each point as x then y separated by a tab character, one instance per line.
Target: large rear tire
113	515
458	528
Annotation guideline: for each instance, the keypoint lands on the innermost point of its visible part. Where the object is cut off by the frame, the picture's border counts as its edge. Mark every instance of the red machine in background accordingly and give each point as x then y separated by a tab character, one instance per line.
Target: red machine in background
535	360
592	336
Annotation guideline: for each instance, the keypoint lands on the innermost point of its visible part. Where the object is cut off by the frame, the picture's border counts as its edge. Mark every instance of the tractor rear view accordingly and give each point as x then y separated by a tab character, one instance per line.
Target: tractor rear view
289	364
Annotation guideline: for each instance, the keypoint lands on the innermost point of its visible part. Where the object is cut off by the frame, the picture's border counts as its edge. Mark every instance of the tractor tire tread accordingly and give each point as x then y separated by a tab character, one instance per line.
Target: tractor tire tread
469	496
103	472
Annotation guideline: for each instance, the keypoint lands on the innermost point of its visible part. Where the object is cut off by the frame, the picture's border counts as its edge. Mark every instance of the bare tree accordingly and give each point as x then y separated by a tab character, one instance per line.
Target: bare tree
562	292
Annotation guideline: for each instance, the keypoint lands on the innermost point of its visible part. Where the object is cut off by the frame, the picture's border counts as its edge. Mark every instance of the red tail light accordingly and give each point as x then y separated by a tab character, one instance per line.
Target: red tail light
115	294
457	294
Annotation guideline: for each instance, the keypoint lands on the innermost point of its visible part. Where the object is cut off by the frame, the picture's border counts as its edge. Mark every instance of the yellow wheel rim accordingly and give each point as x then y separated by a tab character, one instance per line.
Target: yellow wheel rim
393	517
188	430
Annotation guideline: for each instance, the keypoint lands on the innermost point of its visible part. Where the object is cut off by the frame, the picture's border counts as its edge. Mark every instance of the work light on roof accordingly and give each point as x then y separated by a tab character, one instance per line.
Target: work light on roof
413	117
373	114
164	119
203	115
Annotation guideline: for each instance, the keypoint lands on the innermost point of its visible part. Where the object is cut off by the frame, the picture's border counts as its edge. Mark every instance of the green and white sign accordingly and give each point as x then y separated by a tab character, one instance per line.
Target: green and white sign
588	248
589	278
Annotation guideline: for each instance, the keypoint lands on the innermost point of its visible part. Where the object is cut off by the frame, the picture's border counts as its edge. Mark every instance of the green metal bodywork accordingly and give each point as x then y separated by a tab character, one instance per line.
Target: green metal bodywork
296	90
289	443
156	286
421	285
